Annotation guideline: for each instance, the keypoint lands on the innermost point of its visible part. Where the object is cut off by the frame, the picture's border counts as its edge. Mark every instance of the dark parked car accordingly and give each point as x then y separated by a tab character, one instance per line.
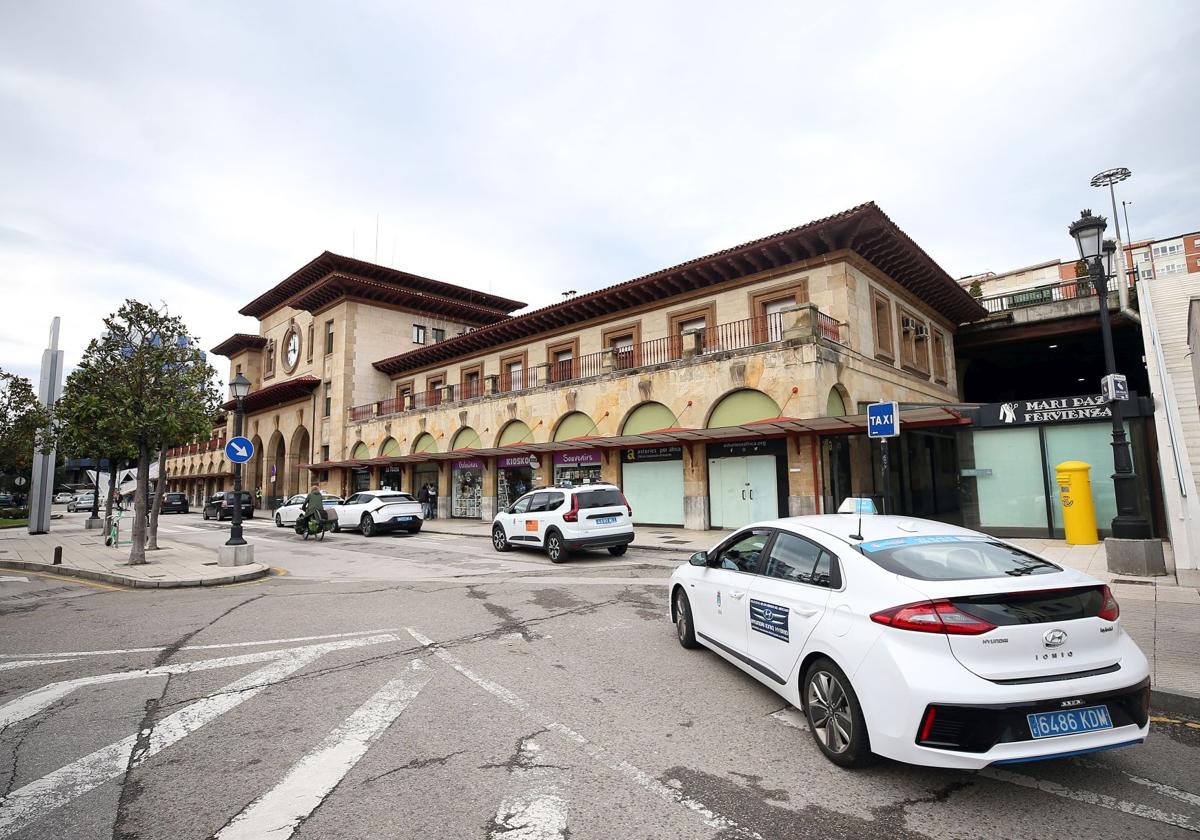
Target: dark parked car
173	503
220	506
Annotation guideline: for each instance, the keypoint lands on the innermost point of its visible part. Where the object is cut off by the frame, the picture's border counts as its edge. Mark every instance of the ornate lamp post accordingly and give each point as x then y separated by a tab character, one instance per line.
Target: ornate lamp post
239	386
1097	255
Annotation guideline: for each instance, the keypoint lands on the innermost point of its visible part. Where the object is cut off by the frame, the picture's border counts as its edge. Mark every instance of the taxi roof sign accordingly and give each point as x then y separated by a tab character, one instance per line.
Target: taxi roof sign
857	504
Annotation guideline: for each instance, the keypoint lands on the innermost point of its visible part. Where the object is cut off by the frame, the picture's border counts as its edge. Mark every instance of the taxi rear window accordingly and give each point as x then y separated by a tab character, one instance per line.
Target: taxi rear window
953	558
600	498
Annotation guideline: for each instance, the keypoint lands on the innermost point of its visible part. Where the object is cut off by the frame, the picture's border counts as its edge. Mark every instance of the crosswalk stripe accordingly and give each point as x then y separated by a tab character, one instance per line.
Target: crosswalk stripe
39	699
8	666
275	814
219	646
31	802
536	811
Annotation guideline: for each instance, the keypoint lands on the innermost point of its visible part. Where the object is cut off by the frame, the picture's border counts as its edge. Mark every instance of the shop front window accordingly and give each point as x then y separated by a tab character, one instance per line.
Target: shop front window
466	488
579	467
514	478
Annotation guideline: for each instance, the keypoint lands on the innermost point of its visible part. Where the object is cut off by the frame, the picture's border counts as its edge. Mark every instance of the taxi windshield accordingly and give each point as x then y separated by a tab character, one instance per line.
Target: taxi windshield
953	558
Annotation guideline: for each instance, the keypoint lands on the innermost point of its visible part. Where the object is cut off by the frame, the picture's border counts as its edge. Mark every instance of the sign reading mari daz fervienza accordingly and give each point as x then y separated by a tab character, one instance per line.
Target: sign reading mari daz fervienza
1058	410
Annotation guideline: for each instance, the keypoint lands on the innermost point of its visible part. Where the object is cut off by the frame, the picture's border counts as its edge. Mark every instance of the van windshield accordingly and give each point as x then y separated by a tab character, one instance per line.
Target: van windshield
953	558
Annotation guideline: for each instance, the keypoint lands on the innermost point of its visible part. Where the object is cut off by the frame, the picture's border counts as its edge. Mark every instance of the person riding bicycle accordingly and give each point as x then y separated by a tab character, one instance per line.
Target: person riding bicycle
314	504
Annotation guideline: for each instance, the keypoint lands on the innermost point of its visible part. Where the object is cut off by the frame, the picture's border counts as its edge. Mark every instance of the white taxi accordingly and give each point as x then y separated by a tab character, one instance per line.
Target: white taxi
919	641
289	512
564	519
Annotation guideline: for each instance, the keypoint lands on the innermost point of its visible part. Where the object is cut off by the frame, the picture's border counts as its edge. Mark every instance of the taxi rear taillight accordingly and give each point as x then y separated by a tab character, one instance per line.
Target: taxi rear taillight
628	507
1110	610
933	617
572	515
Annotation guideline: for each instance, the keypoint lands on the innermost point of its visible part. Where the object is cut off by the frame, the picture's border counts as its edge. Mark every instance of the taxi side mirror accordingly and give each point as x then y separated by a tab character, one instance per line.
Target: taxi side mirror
700	558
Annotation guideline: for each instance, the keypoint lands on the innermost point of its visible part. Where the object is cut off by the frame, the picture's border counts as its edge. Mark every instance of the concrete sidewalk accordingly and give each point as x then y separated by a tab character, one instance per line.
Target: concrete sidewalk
84	555
1161	616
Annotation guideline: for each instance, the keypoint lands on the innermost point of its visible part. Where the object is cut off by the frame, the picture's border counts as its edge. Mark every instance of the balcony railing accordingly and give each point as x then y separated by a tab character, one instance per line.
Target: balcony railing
1080	287
735	335
210	445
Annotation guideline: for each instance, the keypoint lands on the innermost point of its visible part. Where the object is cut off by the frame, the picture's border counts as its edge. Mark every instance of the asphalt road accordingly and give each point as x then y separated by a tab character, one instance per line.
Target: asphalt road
427	687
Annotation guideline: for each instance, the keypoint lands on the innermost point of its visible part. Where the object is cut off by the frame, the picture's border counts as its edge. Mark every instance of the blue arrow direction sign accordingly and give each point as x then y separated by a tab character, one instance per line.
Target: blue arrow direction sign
239	450
883	420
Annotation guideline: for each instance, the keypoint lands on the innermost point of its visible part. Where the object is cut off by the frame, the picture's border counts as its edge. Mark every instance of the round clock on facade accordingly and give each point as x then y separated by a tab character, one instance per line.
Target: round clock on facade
291	348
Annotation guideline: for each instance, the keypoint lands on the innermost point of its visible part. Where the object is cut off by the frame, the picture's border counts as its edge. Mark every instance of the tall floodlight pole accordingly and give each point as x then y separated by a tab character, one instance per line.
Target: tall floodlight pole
42	482
1108	178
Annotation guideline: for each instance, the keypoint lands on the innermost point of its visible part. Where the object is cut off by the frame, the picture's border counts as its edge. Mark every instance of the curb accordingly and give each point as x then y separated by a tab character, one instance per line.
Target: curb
134	583
1175	702
645	547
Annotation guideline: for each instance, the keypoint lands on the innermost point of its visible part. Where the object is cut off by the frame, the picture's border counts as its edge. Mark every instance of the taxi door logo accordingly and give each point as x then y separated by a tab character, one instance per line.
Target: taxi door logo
769	619
531	525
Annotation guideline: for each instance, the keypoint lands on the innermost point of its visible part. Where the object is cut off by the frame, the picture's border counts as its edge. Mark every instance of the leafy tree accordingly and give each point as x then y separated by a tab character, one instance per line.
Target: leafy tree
162	392
87	421
976	289
23	420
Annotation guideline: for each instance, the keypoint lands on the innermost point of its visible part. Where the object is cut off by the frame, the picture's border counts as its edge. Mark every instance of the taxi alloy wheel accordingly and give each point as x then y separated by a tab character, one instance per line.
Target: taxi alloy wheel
834	715
556	549
367	526
278	521
499	540
683	621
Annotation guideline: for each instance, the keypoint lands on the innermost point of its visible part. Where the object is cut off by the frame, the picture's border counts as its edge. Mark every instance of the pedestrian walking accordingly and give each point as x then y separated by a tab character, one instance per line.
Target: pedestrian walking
423	498
433	511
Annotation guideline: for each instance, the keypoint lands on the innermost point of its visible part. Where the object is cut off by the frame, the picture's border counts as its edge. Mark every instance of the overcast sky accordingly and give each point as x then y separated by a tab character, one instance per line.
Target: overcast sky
198	153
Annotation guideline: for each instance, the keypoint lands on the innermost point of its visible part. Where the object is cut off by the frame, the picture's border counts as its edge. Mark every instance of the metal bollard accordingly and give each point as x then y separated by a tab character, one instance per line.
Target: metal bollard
58	555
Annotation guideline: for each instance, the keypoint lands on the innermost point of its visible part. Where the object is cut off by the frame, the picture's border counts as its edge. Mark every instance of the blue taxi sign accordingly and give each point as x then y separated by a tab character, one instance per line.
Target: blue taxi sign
239	450
883	420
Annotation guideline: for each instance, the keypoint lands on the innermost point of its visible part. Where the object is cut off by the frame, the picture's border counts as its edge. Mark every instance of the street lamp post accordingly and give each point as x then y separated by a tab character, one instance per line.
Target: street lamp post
239	386
1097	255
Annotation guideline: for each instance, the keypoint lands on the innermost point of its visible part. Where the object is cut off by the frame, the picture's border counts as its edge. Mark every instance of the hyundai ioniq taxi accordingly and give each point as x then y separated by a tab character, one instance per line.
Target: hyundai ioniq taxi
919	641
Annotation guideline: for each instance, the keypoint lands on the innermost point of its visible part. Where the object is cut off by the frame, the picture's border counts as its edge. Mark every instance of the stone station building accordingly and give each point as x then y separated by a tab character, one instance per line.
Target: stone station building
726	389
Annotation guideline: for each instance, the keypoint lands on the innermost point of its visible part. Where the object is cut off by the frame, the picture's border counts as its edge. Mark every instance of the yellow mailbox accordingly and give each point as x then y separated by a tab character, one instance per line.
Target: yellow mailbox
1075	493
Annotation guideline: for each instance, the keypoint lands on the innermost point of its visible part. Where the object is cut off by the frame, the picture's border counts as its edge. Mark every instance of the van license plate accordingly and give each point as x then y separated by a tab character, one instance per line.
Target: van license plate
1069	722
607	520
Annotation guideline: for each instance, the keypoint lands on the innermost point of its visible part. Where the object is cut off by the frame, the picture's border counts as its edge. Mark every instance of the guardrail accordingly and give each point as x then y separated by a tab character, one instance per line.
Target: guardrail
1074	289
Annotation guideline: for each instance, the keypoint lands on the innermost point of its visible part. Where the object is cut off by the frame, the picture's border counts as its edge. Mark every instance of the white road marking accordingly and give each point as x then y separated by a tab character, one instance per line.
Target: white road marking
7	666
792	717
1160	787
537	811
39	699
640	777
1091	798
13	579
275	814
120	651
33	801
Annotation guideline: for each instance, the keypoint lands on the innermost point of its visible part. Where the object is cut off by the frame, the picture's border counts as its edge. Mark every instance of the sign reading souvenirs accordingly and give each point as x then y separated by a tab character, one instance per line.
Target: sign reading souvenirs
652	453
1020	412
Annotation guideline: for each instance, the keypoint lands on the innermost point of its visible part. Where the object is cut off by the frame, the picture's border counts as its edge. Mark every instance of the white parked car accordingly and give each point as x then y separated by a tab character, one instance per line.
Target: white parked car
289	511
81	502
63	498
919	641
566	519
373	511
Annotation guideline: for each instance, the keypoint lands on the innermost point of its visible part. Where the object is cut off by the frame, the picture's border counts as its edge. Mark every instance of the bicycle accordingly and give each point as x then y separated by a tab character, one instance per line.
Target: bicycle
113	538
314	526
